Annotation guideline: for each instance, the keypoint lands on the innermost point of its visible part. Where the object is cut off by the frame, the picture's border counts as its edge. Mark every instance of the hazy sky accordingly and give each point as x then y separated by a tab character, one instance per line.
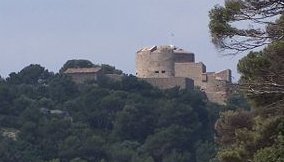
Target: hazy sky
50	32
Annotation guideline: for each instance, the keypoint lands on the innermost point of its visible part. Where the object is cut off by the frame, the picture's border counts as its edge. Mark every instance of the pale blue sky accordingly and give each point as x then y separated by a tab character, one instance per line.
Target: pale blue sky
50	32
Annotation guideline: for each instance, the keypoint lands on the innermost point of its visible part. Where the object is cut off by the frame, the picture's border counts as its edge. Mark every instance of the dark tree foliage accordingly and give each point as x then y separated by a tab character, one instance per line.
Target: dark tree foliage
263	75
238	100
242	25
48	118
262	82
107	69
258	26
32	74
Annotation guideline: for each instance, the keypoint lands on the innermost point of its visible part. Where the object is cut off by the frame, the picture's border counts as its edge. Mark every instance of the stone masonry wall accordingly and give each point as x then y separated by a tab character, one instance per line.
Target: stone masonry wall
182	57
164	66
191	70
216	90
155	62
83	77
224	75
167	83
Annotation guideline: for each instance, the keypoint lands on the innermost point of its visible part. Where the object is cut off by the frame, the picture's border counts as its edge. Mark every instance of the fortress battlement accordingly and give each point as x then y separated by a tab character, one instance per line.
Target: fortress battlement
167	67
170	63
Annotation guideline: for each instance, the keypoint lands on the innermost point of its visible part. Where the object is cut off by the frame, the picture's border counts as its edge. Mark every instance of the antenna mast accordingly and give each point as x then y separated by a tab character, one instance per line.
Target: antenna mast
172	35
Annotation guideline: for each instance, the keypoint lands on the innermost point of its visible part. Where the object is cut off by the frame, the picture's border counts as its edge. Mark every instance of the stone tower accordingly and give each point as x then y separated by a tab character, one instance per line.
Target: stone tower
159	61
168	66
155	62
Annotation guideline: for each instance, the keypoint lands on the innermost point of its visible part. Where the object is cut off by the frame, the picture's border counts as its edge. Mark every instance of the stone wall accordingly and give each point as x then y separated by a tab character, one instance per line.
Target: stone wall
190	70
224	75
114	77
83	77
167	83
155	62
216	90
168	66
181	56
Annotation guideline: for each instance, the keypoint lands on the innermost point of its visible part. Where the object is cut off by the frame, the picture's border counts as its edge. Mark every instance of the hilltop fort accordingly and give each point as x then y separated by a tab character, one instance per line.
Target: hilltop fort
167	67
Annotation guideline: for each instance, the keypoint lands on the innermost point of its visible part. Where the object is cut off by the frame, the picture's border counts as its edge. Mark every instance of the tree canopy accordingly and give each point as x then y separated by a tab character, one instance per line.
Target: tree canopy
242	25
46	117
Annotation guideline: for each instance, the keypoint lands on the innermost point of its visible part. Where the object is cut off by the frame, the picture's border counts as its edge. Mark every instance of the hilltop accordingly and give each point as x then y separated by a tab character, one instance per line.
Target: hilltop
51	118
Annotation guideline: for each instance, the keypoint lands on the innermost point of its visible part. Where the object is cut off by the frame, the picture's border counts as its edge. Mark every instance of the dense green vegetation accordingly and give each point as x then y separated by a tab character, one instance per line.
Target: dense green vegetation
105	121
45	117
255	135
242	25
